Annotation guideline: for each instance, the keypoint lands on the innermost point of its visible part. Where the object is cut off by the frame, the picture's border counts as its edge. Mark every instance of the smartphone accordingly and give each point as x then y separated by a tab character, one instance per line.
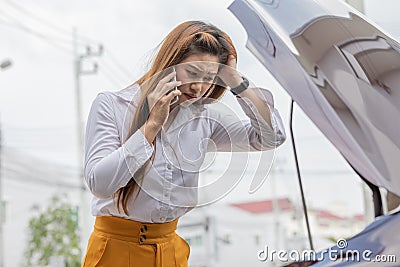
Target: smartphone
175	99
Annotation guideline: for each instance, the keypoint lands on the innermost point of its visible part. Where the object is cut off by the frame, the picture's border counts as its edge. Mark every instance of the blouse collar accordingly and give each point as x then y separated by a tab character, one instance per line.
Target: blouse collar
131	94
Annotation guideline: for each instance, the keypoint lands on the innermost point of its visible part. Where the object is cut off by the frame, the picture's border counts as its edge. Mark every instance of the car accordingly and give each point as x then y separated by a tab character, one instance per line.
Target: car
343	71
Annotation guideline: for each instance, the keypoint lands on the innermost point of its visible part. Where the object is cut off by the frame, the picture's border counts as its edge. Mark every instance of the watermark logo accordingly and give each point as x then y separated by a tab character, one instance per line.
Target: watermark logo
340	252
203	125
341	243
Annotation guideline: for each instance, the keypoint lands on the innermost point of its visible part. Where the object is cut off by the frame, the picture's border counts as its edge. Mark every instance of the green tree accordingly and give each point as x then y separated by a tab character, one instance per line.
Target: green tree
54	232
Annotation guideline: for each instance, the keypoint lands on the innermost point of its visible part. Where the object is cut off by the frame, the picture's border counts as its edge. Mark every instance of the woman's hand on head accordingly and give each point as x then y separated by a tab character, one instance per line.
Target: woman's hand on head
160	99
229	74
231	62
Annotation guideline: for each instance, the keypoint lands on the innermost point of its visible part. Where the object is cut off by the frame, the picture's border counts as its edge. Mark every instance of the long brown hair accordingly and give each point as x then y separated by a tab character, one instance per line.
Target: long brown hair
188	38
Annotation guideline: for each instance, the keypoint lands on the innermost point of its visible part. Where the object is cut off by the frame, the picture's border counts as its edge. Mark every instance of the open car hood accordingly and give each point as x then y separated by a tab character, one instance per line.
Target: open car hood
340	69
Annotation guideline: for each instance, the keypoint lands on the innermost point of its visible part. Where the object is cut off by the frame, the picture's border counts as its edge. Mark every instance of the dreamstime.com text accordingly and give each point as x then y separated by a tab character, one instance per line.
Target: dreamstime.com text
338	254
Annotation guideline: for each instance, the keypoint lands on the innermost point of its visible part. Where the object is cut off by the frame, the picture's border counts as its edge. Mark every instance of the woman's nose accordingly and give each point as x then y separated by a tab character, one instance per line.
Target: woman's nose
196	88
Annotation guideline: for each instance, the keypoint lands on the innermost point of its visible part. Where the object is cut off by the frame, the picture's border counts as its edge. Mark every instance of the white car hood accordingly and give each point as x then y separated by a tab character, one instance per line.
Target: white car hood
341	69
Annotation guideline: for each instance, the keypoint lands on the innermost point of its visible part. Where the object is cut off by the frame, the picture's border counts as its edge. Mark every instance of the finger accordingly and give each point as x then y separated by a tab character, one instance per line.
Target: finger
231	61
171	95
166	89
160	89
167	78
169	87
170	90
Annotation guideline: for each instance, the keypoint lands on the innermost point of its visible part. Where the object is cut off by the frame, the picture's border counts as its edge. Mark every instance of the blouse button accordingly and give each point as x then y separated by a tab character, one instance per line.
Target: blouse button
169	167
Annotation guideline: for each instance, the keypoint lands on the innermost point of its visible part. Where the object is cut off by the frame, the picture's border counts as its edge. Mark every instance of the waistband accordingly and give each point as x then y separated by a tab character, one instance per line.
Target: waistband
140	232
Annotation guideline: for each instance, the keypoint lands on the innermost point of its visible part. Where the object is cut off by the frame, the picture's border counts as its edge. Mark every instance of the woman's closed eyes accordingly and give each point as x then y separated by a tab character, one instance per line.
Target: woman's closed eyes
197	75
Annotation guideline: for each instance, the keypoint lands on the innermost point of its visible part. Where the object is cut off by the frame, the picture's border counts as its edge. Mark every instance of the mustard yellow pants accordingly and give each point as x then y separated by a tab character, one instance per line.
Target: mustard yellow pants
117	242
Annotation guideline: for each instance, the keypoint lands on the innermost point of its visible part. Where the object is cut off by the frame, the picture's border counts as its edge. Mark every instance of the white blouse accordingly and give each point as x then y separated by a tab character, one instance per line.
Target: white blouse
169	187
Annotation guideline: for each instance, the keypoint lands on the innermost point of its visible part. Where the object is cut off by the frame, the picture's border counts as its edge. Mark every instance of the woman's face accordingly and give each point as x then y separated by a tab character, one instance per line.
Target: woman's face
197	72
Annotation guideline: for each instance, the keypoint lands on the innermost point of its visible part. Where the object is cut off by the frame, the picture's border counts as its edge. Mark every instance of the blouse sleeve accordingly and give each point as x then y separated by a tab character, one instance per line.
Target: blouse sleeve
109	164
254	134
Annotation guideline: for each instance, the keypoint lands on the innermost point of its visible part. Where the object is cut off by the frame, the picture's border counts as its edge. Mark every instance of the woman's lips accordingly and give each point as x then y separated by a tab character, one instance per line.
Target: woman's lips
189	97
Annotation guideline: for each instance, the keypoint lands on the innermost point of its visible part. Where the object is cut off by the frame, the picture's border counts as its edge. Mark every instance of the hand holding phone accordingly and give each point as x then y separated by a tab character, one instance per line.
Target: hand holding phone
175	99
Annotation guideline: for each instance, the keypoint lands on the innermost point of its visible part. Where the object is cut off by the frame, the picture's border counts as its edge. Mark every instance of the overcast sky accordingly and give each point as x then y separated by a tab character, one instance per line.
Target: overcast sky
37	101
37	93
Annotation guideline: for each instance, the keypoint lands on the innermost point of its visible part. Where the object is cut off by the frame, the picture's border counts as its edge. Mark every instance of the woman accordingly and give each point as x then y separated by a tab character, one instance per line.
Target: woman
143	149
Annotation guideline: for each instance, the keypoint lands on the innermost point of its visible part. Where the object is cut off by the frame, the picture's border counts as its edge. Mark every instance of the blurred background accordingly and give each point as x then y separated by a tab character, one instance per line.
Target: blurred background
55	57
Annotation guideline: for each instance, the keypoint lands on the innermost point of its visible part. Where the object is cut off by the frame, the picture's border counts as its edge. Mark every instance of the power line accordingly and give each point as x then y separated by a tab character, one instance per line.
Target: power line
15	127
22	159
24	173
37	18
47	23
81	39
50	40
112	80
26	168
12	175
113	70
110	75
16	21
116	62
12	21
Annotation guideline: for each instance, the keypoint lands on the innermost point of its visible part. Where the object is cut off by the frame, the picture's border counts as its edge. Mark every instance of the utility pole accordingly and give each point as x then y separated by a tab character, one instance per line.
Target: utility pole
78	72
3	65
